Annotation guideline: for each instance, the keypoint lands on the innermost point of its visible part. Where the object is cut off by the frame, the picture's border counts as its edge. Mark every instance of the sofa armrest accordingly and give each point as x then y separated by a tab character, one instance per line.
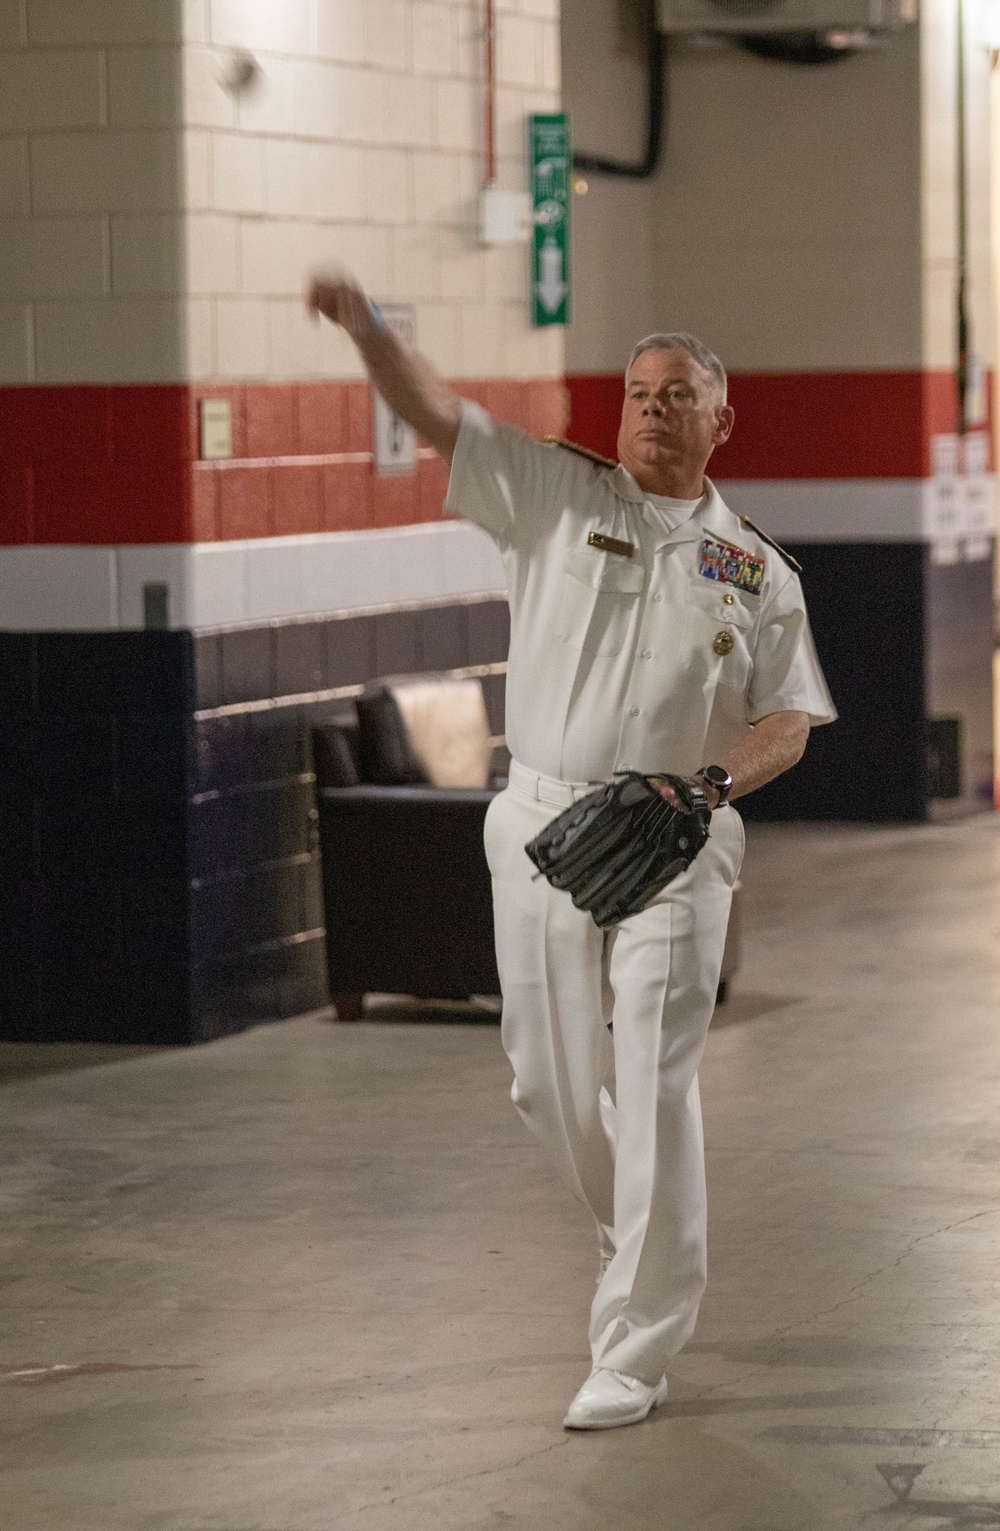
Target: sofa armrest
407	890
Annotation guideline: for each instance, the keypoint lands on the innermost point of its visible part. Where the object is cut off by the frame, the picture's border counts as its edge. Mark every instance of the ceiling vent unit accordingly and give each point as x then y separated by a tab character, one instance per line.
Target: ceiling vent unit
748	16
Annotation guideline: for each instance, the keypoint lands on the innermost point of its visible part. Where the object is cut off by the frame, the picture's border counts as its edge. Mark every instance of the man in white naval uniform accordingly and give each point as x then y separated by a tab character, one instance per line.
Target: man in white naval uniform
651	630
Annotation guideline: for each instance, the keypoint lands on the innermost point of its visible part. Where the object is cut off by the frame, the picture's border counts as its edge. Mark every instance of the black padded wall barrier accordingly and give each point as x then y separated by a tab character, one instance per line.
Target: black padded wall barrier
160	876
866	608
901	641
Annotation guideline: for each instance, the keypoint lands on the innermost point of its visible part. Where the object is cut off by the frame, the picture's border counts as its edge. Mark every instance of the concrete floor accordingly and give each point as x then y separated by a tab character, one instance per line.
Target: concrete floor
316	1276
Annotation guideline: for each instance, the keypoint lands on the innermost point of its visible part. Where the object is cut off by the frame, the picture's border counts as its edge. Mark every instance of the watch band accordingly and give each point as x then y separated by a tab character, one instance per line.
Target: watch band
699	799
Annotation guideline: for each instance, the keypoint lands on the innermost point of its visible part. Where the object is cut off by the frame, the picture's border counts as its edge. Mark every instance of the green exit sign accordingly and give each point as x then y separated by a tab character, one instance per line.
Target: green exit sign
551	169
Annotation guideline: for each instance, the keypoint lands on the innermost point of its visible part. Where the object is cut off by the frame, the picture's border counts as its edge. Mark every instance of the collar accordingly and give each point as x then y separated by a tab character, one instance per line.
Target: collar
625	486
715	517
715	520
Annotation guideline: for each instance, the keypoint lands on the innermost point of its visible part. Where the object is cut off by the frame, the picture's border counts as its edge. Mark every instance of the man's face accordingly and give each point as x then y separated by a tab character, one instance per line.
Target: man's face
672	418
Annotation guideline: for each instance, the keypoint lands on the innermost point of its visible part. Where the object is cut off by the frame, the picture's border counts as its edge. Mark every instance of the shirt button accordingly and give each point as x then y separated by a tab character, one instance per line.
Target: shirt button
633	712
728	599
657	596
647	653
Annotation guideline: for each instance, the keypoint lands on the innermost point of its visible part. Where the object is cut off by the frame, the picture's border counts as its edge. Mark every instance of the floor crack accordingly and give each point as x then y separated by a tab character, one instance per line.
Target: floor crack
867	1281
480	1472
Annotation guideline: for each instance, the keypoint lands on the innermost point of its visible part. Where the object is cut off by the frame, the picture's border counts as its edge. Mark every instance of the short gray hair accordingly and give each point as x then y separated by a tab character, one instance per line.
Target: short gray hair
682	341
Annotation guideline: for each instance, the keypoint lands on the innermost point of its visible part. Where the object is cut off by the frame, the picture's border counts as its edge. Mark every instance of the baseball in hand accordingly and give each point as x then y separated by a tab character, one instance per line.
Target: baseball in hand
337	296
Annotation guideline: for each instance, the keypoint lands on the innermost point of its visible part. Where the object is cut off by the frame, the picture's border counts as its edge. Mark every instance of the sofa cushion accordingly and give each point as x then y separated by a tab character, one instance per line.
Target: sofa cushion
426	730
447	728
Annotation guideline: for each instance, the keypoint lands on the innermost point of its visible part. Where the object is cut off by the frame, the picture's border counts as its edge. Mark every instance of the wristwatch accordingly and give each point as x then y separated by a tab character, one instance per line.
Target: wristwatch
719	778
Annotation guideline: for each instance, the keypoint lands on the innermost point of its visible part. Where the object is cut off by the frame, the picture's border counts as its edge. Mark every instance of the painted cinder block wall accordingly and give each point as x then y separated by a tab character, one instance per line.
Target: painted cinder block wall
158	230
804	222
155	233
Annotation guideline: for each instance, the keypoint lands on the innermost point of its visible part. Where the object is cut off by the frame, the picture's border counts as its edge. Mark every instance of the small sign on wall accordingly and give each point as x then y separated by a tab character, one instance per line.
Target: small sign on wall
961	509
395	441
216	429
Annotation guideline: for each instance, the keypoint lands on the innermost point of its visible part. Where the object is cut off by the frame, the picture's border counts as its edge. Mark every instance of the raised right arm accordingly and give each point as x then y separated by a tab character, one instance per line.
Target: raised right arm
407	383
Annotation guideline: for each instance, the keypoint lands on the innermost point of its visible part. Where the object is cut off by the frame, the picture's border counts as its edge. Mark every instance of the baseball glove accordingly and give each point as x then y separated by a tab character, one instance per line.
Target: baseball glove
617	847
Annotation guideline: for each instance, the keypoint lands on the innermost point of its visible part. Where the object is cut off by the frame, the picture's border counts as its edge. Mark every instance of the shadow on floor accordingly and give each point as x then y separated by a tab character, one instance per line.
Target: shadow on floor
740	1007
401	1009
24	1060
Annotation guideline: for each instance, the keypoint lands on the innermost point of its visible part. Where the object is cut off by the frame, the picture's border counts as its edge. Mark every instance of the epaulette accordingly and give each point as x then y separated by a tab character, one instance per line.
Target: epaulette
792	563
573	446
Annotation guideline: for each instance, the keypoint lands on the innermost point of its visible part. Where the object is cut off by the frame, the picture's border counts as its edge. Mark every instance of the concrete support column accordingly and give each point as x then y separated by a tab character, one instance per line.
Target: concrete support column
176	610
804	222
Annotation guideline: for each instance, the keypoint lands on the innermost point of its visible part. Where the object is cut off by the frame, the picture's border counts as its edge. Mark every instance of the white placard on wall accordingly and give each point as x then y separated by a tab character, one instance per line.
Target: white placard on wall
395	441
961	506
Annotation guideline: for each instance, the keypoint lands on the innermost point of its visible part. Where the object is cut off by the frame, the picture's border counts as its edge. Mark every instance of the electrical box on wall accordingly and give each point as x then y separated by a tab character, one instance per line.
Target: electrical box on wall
505	217
746	16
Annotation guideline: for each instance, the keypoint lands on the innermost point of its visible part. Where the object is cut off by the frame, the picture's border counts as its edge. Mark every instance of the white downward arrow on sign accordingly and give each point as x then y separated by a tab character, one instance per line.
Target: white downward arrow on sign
551	287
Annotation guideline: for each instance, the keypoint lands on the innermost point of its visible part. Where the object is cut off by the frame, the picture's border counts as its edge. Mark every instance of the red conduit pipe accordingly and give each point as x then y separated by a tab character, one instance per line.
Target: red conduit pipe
490	112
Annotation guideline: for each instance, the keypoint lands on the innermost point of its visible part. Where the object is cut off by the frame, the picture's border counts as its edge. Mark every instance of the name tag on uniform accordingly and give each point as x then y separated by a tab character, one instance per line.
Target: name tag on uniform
610	545
730	565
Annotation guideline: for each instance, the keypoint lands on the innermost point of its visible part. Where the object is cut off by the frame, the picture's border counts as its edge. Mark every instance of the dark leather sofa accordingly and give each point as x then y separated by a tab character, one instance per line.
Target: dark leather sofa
405	883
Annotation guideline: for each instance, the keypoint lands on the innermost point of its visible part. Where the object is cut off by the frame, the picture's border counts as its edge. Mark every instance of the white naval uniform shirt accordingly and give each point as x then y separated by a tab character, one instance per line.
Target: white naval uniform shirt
613	660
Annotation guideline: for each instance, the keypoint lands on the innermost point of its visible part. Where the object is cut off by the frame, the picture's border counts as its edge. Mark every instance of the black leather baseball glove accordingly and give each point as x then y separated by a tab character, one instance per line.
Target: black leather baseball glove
617	847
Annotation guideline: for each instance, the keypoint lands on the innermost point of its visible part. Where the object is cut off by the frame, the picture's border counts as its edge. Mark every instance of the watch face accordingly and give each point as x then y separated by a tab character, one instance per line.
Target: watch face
717	776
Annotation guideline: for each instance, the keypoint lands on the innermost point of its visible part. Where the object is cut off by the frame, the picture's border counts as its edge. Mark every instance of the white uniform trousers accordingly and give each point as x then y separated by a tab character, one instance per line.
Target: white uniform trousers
618	1111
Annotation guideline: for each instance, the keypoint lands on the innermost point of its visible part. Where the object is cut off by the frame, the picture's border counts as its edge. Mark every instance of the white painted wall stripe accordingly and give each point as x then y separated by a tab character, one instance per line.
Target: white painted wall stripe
228	584
58	589
842	510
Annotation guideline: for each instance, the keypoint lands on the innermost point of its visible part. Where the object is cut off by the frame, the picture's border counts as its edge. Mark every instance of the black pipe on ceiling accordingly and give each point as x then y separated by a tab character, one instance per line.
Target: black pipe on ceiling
794	47
656	112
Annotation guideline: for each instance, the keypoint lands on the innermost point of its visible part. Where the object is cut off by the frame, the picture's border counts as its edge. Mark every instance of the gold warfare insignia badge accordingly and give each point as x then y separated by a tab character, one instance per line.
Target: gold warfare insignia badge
730	565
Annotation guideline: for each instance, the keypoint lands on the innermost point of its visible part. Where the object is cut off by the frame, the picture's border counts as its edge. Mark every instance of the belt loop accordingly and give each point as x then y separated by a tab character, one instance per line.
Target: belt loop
547	789
526	779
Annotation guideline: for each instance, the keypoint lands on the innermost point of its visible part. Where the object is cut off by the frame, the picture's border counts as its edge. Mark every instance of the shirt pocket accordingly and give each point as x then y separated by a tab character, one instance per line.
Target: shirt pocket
709	601
719	633
598	600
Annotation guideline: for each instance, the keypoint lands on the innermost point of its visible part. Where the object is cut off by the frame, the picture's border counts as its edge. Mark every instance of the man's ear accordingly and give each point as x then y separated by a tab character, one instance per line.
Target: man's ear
723	424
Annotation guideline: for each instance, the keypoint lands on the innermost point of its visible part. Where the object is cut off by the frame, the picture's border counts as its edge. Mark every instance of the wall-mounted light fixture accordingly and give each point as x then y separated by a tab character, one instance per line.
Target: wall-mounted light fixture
240	73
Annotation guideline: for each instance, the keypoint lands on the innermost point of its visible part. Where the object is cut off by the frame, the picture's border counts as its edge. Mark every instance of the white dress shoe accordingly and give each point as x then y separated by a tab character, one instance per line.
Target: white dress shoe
608	1399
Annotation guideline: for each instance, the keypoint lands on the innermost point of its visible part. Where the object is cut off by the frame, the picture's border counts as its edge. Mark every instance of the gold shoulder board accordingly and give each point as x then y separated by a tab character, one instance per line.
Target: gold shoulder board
572	446
792	563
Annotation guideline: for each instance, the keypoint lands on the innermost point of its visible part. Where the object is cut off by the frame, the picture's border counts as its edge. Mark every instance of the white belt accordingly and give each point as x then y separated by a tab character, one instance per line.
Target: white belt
548	789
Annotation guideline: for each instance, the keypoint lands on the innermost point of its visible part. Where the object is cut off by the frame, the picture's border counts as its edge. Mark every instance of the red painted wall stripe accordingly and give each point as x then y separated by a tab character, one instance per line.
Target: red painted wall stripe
117	465
802	424
92	464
